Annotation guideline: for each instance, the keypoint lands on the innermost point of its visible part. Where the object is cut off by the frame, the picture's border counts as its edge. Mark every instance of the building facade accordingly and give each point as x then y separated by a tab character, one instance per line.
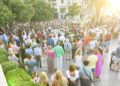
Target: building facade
61	6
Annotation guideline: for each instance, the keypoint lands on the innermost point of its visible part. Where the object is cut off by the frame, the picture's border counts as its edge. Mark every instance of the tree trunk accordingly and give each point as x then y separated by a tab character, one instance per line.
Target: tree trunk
98	16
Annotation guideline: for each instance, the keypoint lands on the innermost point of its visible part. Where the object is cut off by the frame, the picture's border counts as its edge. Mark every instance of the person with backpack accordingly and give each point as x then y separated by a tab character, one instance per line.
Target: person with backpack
68	49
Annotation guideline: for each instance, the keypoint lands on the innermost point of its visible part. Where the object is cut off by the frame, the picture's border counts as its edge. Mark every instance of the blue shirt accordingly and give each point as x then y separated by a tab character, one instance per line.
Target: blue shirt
29	51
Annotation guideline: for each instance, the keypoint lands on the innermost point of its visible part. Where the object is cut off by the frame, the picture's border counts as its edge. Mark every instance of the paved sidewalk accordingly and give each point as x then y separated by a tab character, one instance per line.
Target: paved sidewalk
3	81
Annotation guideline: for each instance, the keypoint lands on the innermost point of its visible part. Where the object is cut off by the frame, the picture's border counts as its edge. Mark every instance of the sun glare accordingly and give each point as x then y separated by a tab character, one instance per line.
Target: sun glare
115	3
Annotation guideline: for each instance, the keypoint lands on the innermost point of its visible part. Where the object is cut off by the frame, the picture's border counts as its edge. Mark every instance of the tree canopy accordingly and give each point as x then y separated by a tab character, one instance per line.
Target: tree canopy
74	10
24	11
43	11
6	15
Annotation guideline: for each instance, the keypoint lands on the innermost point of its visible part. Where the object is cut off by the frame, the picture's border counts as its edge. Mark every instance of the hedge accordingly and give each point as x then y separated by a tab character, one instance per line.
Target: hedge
3	55
18	77
7	66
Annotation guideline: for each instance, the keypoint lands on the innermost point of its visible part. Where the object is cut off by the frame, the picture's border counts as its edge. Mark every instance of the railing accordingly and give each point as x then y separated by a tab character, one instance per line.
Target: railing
3	81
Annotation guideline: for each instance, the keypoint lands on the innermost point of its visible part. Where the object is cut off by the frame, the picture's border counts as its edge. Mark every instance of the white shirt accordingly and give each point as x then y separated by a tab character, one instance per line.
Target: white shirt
15	49
62	38
37	51
55	40
93	44
13	58
78	61
24	37
72	78
52	77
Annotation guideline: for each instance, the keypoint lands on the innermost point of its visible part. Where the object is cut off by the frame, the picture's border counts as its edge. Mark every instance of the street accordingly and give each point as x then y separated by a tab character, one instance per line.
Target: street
108	77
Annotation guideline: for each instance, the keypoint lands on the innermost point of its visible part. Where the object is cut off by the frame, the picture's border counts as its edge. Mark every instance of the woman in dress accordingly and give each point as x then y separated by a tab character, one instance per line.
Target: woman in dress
99	63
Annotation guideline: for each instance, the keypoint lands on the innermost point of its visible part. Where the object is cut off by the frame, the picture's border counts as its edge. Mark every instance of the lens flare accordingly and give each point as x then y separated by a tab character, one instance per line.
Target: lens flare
115	4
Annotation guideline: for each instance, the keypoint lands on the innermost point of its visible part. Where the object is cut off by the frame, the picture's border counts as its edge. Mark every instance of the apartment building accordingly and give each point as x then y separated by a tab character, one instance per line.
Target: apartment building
61	6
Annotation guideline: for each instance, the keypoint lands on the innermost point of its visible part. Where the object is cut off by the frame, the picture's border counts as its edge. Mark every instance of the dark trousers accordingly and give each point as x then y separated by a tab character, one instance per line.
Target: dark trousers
73	53
85	82
50	62
73	83
38	59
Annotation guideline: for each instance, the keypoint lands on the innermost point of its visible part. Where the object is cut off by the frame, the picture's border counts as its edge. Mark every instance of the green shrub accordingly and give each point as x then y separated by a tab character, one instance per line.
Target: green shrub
7	66
3	56
18	77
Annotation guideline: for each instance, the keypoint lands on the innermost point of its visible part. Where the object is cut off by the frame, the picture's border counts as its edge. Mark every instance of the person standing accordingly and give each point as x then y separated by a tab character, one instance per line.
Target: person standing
22	52
72	75
29	50
92	58
108	38
12	57
30	63
50	60
59	52
50	41
78	57
74	48
99	63
87	42
38	53
86	75
68	49
15	49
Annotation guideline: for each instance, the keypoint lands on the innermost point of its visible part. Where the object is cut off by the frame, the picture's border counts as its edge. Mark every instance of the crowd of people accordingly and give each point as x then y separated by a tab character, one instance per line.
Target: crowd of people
83	46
